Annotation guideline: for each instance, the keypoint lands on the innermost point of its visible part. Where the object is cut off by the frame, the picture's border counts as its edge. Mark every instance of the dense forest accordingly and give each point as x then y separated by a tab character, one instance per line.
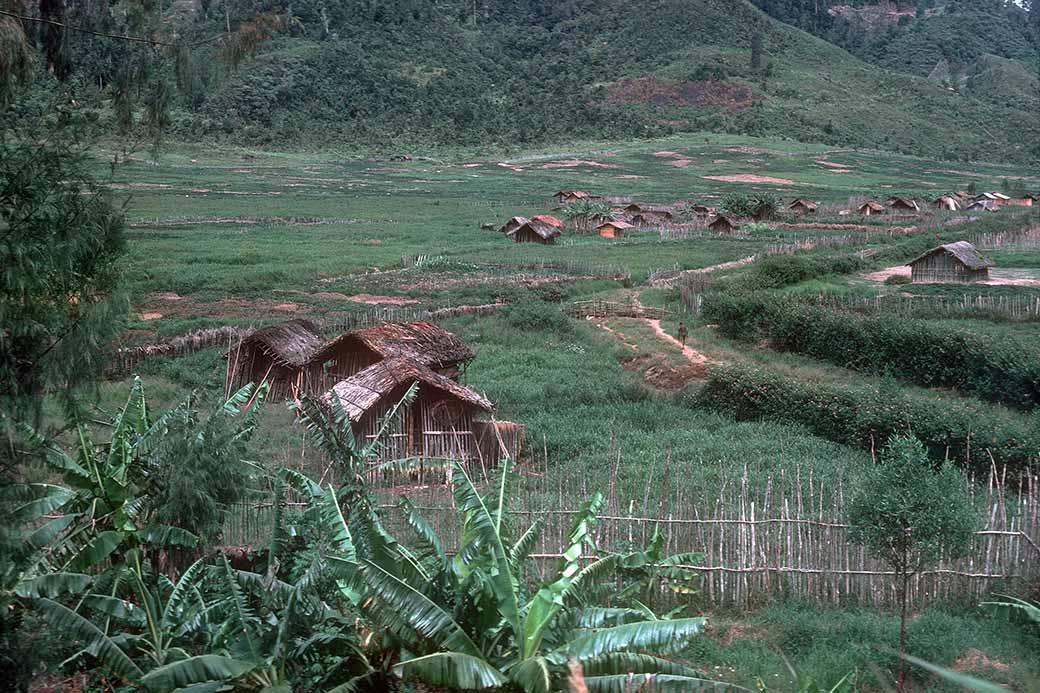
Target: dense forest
409	73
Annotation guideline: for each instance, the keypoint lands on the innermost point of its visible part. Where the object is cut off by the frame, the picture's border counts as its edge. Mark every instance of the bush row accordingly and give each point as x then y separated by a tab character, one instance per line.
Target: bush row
780	270
868	414
925	353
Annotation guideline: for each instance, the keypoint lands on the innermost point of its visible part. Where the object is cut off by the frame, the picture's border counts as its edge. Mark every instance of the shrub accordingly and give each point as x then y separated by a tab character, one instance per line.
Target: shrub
778	271
537	315
868	414
924	353
898	280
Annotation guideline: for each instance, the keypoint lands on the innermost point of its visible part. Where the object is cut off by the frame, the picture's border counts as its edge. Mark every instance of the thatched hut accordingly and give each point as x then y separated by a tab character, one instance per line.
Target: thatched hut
278	354
536	231
724	224
763	211
566	197
422	342
870	208
956	262
946	203
996	198
803	206
613	229
701	210
439	424
903	205
513	224
983	206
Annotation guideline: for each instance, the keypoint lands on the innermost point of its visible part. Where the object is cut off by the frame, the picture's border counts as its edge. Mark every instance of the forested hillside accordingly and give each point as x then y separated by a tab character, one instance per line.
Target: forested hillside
409	73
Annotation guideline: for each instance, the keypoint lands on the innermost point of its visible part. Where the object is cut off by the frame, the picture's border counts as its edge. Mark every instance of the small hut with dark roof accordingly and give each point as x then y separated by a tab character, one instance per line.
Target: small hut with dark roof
701	210
513	223
803	206
423	342
983	206
956	262
903	205
537	231
724	224
278	354
438	424
566	197
871	207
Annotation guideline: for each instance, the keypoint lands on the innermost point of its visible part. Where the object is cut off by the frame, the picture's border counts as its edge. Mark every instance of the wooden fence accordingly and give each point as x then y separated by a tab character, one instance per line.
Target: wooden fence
759	537
1011	307
598	308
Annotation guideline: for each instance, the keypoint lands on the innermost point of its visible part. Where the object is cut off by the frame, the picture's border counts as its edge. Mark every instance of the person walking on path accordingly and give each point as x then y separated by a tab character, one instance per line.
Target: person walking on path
682	333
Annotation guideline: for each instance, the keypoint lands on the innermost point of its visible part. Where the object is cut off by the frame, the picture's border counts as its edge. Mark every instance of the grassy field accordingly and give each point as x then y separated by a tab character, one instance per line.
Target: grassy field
243	237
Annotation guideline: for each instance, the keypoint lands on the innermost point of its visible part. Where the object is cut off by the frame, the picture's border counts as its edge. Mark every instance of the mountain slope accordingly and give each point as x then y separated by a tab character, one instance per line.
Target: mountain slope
408	73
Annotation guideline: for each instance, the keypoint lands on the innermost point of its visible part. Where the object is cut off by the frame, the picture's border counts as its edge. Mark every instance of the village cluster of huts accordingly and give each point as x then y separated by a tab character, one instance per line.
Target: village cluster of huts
949	202
367	371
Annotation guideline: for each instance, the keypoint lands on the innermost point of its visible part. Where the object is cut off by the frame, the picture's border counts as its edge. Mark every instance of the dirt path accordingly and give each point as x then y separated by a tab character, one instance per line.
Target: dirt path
669	281
691	355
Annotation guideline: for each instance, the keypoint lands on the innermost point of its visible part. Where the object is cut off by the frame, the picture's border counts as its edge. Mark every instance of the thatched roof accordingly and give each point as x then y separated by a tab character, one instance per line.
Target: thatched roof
364	390
906	202
701	209
996	196
802	202
291	343
543	229
985	205
724	221
513	223
421	341
644	208
947	202
965	252
616	224
550	220
872	205
571	193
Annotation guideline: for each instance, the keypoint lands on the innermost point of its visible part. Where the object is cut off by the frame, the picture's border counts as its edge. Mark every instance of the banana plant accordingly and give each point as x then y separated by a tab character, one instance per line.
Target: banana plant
469	621
105	505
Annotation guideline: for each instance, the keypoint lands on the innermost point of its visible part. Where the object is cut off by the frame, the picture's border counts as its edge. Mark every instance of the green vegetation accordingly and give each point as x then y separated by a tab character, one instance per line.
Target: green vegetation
926	354
407	74
867	413
910	516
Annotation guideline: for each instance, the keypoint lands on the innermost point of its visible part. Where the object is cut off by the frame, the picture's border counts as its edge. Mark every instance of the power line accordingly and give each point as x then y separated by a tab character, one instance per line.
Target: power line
121	37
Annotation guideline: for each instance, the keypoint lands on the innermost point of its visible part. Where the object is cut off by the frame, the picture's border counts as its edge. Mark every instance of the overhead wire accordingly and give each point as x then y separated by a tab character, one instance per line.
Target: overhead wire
121	37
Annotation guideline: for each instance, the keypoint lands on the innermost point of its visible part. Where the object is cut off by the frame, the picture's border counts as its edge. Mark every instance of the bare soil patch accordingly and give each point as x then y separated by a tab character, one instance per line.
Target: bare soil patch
667	154
372	299
631	176
700	94
150	316
976	660
831	164
749	178
680	163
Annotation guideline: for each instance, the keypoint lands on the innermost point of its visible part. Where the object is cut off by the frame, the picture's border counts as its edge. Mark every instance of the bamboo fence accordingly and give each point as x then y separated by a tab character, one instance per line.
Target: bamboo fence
1012	307
598	308
759	537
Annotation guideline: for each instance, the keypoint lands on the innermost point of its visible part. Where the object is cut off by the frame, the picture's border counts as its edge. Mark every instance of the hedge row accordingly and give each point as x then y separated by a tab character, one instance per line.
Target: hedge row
867	415
928	354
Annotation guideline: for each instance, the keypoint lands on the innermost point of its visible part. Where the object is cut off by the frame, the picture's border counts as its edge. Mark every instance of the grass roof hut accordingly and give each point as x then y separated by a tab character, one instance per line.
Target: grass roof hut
803	206
983	206
422	342
439	424
871	207
724	224
958	263
946	203
278	354
701	210
566	197
536	231
903	205
513	223
613	229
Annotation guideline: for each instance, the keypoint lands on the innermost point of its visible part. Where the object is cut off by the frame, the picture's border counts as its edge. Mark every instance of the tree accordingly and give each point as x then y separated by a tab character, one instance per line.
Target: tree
61	238
909	515
756	49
